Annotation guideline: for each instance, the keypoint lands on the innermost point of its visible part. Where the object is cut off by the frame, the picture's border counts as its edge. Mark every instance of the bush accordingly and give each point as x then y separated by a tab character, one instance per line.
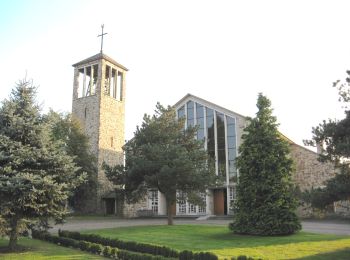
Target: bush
204	256
96	248
129	245
84	246
107	251
186	255
242	257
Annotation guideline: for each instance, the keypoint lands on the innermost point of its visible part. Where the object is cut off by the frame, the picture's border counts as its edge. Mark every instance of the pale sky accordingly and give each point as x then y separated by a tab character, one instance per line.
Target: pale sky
223	51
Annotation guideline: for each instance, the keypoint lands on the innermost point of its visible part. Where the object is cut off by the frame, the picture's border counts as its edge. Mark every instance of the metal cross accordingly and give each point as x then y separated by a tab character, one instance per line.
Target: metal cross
101	35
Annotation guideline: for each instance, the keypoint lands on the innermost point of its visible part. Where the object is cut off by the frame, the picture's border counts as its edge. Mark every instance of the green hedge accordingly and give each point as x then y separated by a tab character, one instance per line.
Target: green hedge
127	245
244	257
95	248
120	249
189	255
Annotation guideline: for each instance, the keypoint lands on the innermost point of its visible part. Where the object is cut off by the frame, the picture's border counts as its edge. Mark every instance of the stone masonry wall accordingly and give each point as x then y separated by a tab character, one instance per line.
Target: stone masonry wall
111	135
309	173
102	120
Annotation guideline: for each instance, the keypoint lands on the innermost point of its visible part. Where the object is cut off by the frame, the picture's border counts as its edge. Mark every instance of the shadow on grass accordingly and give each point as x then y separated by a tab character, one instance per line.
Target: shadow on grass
197	237
255	241
343	254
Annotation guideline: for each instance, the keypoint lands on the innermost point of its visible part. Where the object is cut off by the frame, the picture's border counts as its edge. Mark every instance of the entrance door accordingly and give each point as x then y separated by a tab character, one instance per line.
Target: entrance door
110	206
220	202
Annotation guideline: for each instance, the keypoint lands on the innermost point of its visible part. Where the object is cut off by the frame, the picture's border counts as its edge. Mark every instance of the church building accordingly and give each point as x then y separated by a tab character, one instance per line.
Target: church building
99	105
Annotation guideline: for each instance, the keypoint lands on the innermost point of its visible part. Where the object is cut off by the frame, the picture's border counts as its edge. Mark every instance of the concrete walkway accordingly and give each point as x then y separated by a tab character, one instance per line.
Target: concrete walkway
314	226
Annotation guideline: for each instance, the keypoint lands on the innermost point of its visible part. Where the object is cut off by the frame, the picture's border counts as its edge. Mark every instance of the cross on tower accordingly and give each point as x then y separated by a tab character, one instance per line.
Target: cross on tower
101	35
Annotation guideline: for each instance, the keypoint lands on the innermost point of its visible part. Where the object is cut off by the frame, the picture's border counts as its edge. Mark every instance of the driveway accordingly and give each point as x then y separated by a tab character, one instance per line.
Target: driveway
78	224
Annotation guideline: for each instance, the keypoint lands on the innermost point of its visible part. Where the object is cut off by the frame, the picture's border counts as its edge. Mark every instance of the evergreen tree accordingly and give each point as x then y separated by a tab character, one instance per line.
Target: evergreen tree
67	130
164	156
265	204
36	174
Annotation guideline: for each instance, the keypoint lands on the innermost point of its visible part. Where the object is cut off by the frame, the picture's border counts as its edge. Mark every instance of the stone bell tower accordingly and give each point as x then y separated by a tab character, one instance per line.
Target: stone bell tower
99	105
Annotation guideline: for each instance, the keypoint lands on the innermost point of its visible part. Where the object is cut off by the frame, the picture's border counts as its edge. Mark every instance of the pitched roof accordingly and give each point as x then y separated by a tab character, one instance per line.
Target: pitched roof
201	100
217	107
98	57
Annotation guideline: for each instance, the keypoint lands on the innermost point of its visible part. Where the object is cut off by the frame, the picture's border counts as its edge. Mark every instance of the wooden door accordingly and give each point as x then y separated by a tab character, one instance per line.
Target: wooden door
219	202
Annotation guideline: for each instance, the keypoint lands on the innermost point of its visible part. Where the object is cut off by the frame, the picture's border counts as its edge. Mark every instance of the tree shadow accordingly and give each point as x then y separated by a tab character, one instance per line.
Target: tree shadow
248	241
343	254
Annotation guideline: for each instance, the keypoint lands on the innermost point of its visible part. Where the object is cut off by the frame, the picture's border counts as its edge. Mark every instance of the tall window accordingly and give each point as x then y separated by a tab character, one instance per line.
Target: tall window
220	130
203	209
232	197
231	145
181	112
210	133
153	200
200	121
190	113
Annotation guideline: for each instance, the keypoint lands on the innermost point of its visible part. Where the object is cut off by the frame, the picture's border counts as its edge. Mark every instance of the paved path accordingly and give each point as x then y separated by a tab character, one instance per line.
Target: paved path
314	226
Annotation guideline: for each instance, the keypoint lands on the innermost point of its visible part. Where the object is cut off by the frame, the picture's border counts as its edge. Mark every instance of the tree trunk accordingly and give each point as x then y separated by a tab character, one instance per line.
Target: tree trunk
170	213
13	234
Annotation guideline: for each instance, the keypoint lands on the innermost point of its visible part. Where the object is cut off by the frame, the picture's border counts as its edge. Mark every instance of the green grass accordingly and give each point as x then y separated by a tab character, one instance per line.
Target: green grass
221	241
37	249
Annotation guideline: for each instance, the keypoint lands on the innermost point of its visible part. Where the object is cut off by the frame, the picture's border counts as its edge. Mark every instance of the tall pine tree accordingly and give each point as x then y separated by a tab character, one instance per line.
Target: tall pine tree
265	204
164	156
67	130
36	174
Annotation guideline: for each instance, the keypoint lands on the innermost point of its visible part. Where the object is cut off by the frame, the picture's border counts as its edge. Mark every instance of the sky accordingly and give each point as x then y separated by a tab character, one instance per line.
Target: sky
225	52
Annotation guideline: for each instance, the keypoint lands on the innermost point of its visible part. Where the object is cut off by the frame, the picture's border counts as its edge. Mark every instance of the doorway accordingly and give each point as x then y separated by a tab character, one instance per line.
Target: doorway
220	202
110	206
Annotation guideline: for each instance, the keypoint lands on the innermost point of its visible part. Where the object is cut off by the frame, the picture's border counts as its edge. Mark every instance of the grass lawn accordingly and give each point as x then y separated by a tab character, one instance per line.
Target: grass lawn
41	250
219	240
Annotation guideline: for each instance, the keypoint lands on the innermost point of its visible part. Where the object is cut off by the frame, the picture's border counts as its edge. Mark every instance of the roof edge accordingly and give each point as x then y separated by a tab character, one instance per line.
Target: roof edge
98	57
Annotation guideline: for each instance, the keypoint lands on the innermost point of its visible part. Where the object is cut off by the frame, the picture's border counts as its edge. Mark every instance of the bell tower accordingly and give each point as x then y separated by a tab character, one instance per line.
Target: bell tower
99	105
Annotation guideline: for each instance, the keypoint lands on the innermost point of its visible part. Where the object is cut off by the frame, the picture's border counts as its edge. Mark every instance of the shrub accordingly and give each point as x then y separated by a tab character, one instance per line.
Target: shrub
186	255
96	248
84	246
129	245
242	257
204	256
107	251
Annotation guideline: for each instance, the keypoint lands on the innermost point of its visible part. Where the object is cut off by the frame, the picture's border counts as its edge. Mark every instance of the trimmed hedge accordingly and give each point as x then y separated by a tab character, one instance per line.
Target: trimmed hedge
244	257
127	245
189	255
95	248
113	247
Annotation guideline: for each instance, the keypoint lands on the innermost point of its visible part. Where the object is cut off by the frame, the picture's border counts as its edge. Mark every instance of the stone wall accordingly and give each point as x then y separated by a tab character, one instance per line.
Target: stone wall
102	120
309	173
130	210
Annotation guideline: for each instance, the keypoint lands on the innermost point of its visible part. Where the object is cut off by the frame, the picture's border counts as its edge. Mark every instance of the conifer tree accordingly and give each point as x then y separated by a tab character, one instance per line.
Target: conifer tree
164	156
67	130
265	204
36	174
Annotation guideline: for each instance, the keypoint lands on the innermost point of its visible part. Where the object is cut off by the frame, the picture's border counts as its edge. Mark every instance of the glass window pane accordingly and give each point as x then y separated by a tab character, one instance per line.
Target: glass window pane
231	142
220	131
231	154
210	133
181	112
200	134
190	113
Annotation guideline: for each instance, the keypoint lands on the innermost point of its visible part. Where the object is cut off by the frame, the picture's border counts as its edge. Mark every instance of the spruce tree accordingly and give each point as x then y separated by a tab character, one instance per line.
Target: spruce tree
36	174
265	204
67	130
